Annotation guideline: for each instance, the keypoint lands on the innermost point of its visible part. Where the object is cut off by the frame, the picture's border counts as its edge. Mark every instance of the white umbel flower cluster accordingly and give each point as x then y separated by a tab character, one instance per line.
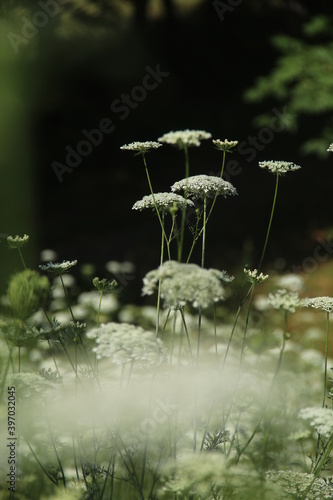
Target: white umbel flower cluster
330	147
141	147
279	167
204	186
58	267
254	277
282	299
125	343
295	484
322	303
186	137
183	284
321	419
224	145
17	241
164	202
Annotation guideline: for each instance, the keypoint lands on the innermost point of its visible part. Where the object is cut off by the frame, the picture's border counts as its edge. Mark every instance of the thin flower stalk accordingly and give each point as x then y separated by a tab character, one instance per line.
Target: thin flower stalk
270	221
156	207
182	227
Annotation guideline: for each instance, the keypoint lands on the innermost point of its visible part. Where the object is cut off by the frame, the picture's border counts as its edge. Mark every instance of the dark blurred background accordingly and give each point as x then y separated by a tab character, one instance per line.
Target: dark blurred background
256	71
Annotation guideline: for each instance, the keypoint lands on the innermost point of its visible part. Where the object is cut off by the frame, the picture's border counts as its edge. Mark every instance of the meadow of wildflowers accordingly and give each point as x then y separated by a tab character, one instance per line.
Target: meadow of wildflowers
187	397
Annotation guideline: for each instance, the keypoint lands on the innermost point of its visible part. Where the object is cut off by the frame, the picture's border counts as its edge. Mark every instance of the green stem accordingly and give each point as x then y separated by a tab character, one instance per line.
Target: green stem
21	257
326	355
154	201
186	331
67	298
182	229
99	308
247	321
270	222
159	284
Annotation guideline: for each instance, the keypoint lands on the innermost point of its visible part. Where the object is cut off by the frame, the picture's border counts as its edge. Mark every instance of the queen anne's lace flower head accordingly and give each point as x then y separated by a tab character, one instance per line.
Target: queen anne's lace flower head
17	241
323	303
141	147
330	147
204	186
279	167
183	284
321	419
164	202
254	277
296	484
124	343
282	299
58	267
225	145
186	137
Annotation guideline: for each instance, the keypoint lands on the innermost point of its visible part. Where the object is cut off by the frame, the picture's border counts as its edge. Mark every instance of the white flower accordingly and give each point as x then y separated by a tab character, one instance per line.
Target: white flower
58	267
141	147
125	343
330	147
224	145
17	241
254	277
282	299
323	303
164	202
279	167
321	419
183	284
295	484
186	137
204	186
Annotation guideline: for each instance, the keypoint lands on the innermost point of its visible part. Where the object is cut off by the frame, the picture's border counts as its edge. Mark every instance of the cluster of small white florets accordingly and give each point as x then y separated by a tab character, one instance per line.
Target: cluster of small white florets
224	145
282	299
182	284
323	303
279	167
163	201
204	186
124	343
58	267
186	137
295	485
254	277
321	419
141	147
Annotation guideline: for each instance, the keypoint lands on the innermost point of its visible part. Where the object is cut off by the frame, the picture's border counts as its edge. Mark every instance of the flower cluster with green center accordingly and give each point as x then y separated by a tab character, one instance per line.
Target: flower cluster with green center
254	277
186	137
164	202
204	186
225	145
17	241
279	167
58	267
182	284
